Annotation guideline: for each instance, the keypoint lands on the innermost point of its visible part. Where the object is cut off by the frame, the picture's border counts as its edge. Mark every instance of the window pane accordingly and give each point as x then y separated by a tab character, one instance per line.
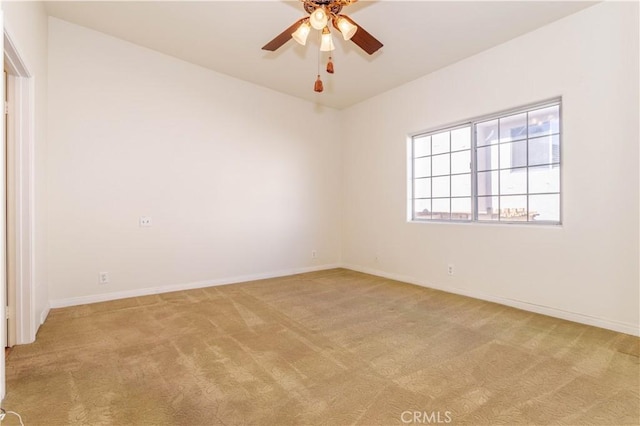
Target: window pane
461	185
513	154
488	183
513	128
441	209
461	208
513	181
441	164
421	146
488	208
422	188
544	179
544	121
422	167
440	142
461	162
461	139
513	208
544	150
441	186
545	207
487	133
487	158
422	209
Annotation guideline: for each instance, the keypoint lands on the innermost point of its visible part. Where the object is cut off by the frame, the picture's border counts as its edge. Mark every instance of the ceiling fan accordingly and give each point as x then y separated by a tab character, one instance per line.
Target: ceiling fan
321	12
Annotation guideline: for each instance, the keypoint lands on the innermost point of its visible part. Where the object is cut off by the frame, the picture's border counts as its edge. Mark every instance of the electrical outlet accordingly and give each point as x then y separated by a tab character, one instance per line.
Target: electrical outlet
450	269
314	254
103	278
145	221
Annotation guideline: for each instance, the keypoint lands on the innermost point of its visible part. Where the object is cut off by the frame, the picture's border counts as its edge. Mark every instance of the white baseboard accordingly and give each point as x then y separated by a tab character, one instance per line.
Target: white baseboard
622	327
105	297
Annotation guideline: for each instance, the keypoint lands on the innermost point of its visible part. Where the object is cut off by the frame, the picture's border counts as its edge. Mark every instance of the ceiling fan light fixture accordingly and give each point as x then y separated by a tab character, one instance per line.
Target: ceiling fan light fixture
326	41
301	33
320	12
346	27
319	18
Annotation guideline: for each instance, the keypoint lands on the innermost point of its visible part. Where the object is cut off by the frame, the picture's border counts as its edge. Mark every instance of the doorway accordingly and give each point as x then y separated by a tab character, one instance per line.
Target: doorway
19	191
9	219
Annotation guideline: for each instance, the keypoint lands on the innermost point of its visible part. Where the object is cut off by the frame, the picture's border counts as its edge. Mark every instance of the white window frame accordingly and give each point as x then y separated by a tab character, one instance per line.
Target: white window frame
472	123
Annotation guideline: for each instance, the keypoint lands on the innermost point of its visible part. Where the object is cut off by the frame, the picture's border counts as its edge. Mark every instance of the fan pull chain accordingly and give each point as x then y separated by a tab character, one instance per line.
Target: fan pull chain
318	86
330	65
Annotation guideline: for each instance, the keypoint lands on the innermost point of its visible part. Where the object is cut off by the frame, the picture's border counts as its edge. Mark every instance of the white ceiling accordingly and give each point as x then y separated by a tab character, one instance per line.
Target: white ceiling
226	36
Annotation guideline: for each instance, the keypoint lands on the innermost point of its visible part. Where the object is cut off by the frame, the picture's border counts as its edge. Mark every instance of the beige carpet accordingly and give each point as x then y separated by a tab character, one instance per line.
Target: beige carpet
327	348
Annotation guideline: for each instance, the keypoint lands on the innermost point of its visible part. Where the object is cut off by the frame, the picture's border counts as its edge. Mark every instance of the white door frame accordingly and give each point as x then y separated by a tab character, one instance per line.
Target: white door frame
3	284
20	87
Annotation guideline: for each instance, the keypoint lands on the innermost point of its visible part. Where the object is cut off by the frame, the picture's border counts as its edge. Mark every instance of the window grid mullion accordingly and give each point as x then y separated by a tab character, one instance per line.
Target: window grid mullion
499	176
450	189
474	172
527	164
431	180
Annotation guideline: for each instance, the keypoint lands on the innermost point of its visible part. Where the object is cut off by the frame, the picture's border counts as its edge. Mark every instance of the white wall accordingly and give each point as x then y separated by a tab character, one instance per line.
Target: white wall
238	186
240	181
26	24
586	270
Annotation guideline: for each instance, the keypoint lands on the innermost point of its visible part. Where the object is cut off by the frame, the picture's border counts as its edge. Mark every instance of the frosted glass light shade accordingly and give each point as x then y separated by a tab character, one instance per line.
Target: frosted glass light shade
346	27
301	33
326	41
319	18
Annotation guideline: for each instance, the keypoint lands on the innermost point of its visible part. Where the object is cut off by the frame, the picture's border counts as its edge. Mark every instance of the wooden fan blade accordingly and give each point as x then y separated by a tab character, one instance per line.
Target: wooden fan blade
282	38
364	40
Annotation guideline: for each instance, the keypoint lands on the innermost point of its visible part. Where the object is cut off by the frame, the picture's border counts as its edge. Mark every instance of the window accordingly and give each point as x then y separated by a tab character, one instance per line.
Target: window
502	168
